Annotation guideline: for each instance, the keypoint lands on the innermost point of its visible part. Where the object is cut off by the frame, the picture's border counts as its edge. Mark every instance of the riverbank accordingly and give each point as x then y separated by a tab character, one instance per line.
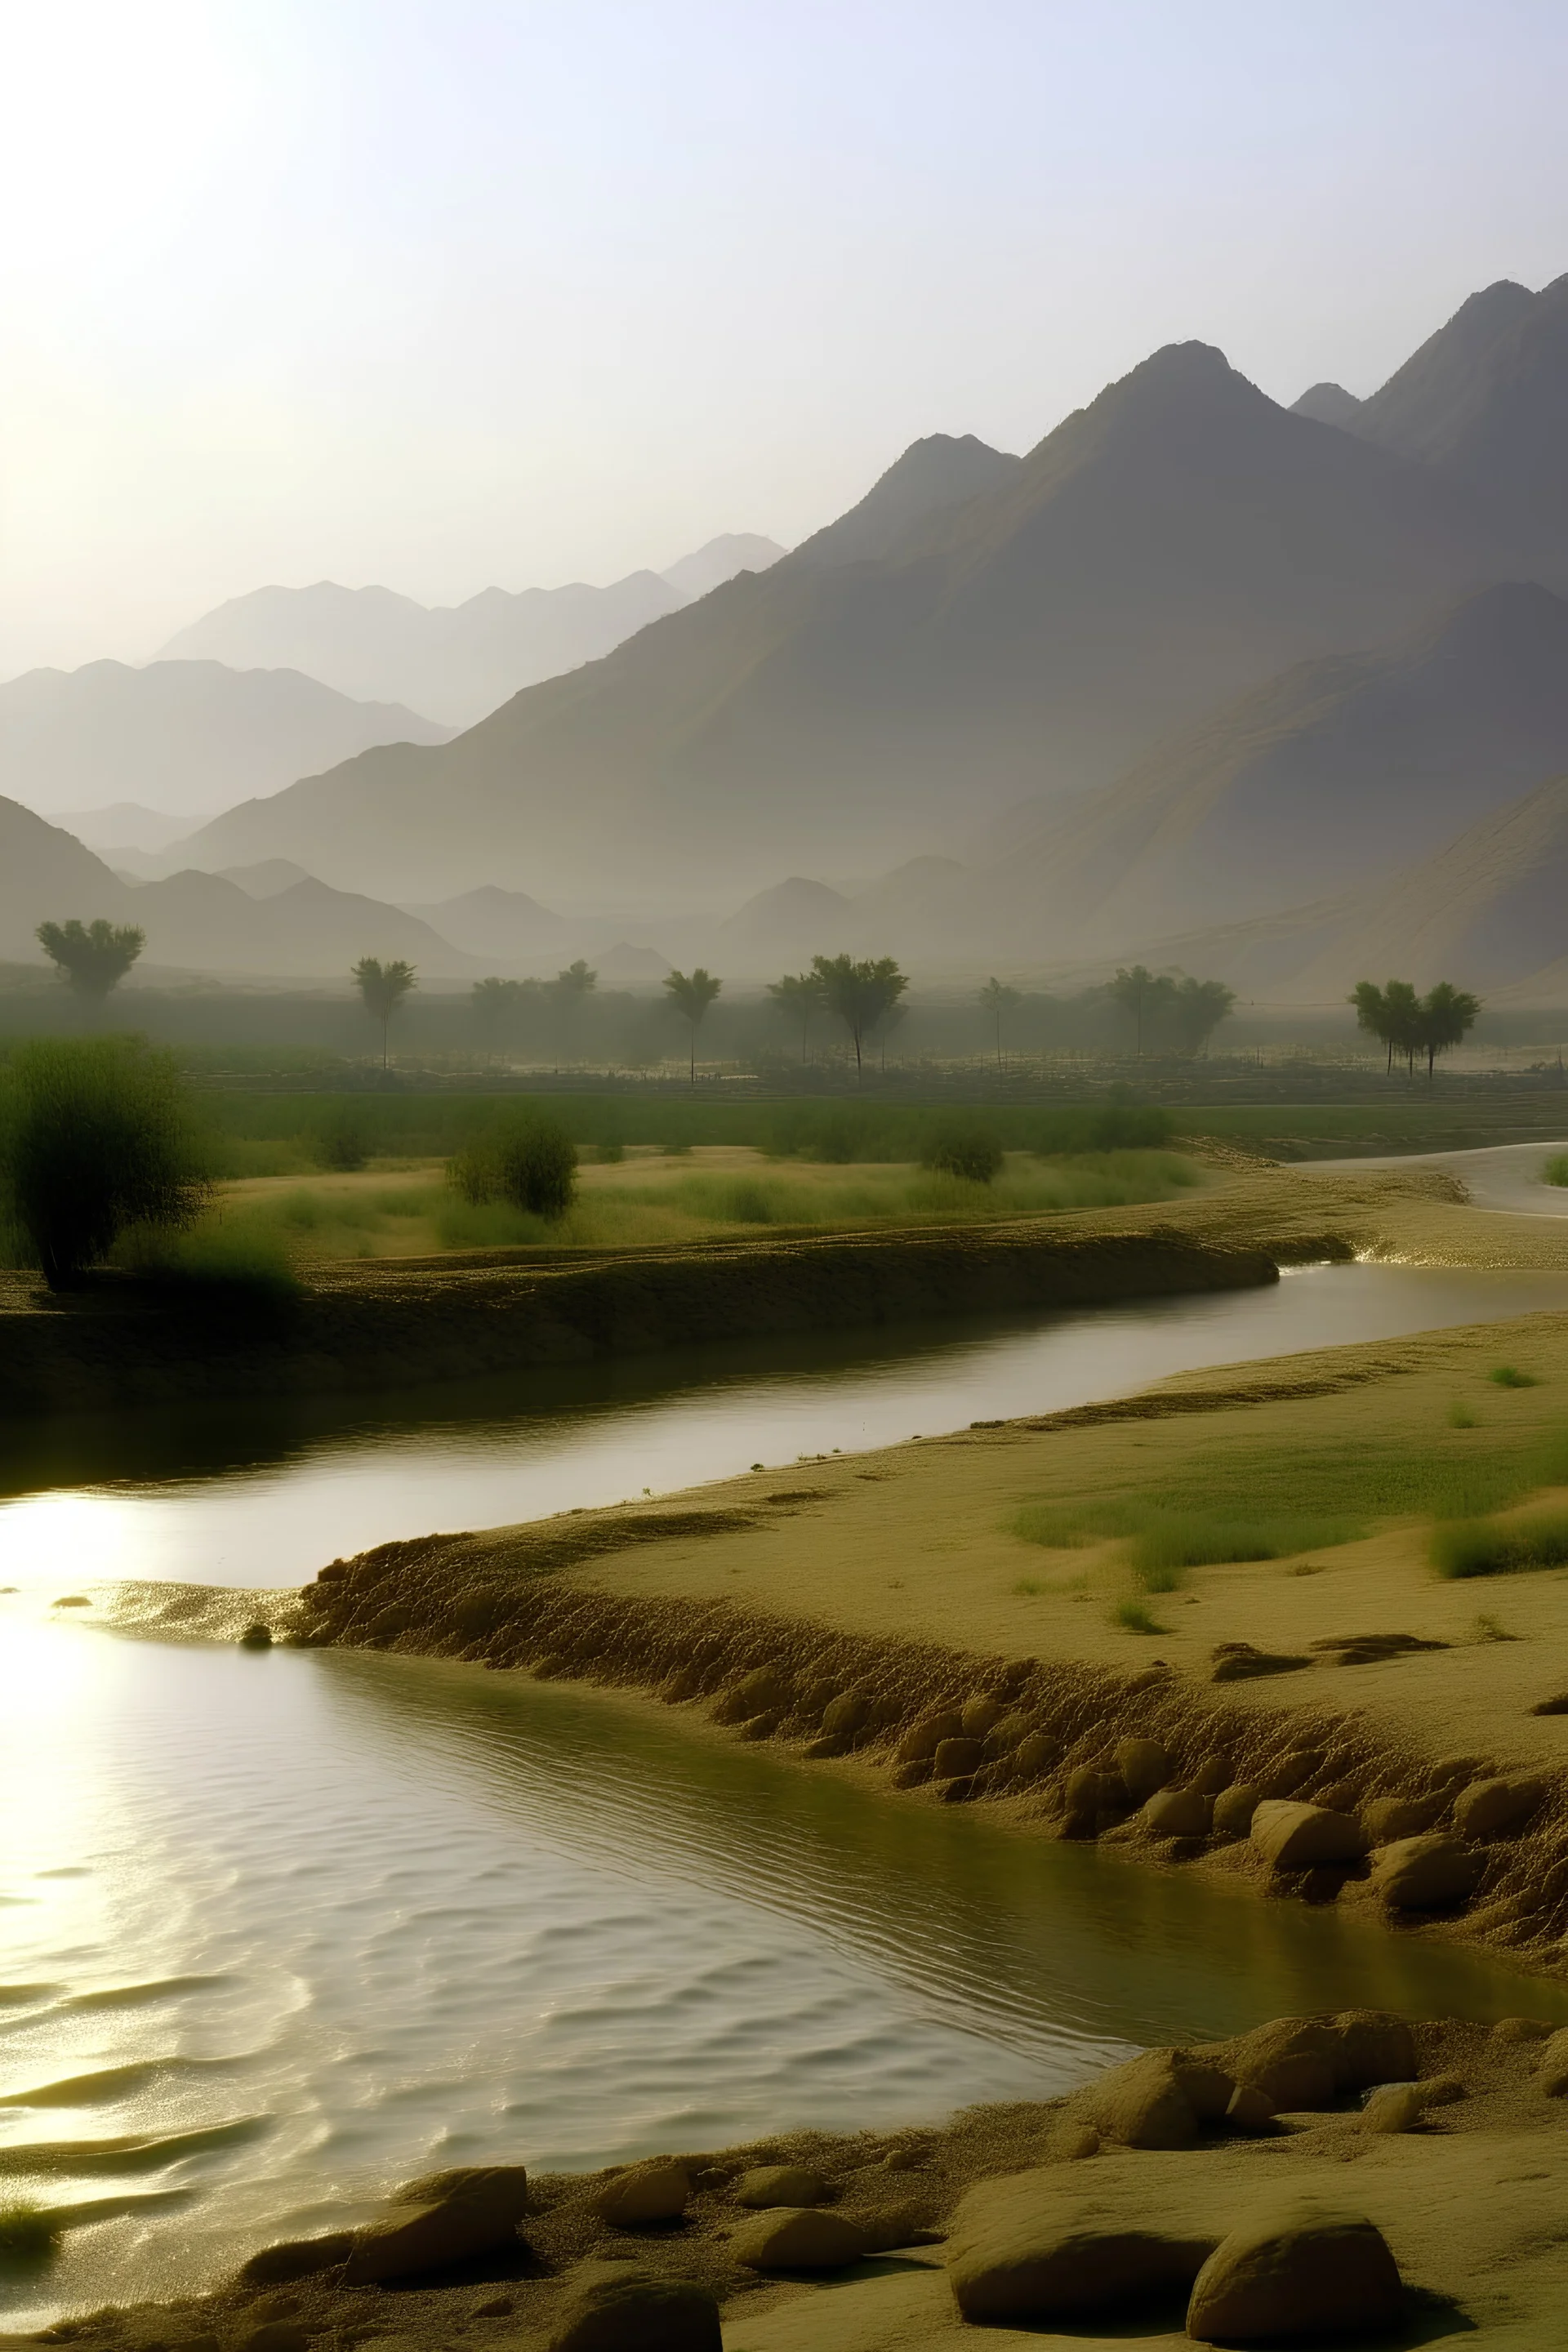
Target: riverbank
1096	2213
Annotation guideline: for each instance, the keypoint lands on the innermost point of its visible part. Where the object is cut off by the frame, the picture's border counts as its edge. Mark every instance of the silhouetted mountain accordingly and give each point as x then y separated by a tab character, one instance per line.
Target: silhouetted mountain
1312	785
188	736
1172	544
265	880
1421	410
123	824
507	926
461	660
200	922
929	479
1328	403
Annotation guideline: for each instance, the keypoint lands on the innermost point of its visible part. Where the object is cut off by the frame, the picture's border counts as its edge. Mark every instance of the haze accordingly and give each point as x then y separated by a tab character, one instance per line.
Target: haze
439	297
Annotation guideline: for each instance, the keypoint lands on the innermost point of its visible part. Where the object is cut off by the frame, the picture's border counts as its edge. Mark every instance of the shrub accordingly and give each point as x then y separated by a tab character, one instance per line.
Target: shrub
28	2233
233	1263
1134	1618
1500	1548
97	1138
1555	1172
964	1148
531	1163
339	1140
1509	1376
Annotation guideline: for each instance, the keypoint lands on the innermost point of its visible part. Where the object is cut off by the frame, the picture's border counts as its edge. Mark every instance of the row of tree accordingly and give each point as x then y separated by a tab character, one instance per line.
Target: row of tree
1411	1024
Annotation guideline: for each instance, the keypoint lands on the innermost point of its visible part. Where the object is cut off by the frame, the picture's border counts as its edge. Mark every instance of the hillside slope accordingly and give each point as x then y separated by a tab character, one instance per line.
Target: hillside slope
184	736
1176	543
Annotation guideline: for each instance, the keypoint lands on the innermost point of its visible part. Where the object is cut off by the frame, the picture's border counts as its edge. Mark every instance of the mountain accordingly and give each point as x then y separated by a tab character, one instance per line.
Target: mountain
507	926
123	824
1328	403
462	660
1489	909
188	737
202	922
1313	785
1172	545
933	476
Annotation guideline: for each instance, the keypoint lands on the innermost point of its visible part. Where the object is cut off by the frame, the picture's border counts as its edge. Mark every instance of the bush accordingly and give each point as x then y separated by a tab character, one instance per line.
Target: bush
964	1148
1494	1547
28	2233
1555	1172
529	1164
237	1262
95	1137
1134	1618
339	1140
1509	1376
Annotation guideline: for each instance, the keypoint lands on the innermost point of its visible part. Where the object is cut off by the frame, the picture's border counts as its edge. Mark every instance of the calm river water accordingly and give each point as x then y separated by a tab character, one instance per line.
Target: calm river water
280	1929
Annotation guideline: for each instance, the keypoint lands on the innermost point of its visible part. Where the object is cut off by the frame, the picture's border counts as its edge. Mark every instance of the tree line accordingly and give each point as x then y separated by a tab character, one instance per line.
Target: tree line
1411	1024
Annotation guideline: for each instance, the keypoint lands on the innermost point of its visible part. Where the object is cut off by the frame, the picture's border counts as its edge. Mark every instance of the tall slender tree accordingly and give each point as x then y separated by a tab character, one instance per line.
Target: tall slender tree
859	993
569	991
382	987
1197	1008
998	1000
1143	995
691	993
1447	1015
798	995
91	957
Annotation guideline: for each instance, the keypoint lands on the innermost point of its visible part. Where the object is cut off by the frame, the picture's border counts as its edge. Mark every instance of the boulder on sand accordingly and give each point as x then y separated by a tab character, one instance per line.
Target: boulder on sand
799	2238
1386	1819
922	1739
1423	1873
615	2307
1392	2108
1298	2272
1162	2099
1144	1767
1294	1836
1309	2062
1178	1812
448	2218
296	2258
781	2184
1066	2241
1553	2075
643	2194
1234	1808
1487	1808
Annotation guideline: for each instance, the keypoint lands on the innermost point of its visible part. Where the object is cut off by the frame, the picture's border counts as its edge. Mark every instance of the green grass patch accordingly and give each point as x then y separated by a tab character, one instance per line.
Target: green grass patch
219	1259
1500	1548
28	2233
1509	1376
1166	1542
1134	1618
1555	1170
1462	1417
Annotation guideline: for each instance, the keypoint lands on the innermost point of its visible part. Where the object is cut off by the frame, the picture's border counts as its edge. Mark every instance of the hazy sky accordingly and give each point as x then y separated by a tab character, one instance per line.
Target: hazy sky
444	292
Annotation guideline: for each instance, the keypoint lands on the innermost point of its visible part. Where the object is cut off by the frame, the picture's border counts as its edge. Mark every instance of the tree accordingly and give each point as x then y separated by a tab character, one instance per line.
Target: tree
1197	1008
858	994
1396	1016
92	958
1371	1014
1143	995
798	995
998	1000
691	994
1446	1015
383	987
570	990
528	1160
495	1003
98	1137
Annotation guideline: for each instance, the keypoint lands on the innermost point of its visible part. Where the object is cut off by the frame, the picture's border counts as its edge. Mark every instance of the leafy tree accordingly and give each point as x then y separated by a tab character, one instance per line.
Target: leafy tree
91	957
529	1161
858	994
1446	1014
384	986
997	999
1197	1008
798	995
691	994
496	1003
1142	994
96	1137
1395	1016
965	1148
1371	1014
569	991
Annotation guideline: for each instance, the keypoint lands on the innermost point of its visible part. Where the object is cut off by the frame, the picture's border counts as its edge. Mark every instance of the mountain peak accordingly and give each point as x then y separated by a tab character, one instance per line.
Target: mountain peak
1328	403
940	471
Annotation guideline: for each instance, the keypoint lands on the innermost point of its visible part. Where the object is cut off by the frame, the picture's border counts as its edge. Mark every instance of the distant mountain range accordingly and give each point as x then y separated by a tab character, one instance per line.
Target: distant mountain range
1177	542
180	737
459	661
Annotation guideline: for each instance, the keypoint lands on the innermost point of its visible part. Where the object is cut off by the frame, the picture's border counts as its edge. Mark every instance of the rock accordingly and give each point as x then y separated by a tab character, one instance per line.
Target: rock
1423	1873
1294	2062
449	2218
1075	2143
1293	1836
781	2184
1299	2271
1487	1808
1374	2046
1162	2099
913	1774
1388	1819
1145	1765
922	1739
1036	1753
754	1693
1211	1775
1250	2110
1061	2241
1006	1736
1556	1704
960	1789
957	1756
827	1743
1392	2108
1234	1809
1441	2090
1450	1771
1240	1662
1178	1812
899	2225
294	2258
643	2194
1521	2028
846	1715
616	2308
1553	2071
801	2238
256	1637
275	2335
762	1727
978	1715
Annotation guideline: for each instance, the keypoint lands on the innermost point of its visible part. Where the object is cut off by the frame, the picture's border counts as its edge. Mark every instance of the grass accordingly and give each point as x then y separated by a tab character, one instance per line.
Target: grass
1489	1629
1500	1547
1462	1417
217	1259
28	2233
1134	1618
1509	1376
1165	1543
1555	1170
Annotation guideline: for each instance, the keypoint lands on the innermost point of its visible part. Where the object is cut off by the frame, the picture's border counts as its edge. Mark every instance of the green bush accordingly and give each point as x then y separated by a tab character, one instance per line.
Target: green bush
96	1137
530	1163
28	2233
1495	1548
1555	1172
1165	1542
1134	1618
1509	1376
339	1140
238	1261
964	1148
